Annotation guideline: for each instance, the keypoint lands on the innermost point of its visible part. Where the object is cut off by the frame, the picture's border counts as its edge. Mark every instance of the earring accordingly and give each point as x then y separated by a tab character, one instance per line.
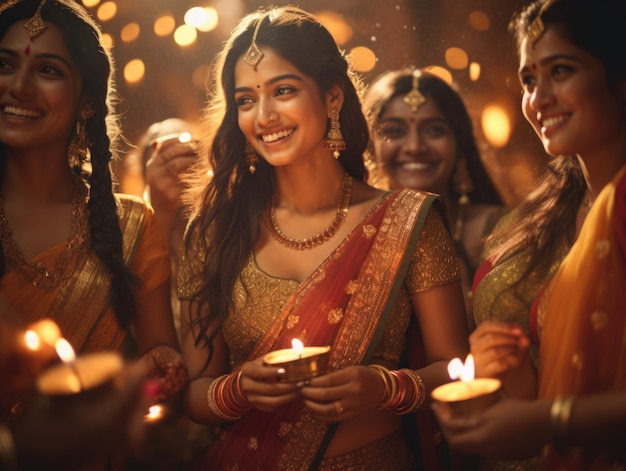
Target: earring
463	186
252	158
334	139
78	148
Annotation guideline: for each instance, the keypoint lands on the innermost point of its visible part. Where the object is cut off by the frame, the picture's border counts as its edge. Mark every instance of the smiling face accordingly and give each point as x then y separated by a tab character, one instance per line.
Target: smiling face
280	110
417	149
40	90
566	97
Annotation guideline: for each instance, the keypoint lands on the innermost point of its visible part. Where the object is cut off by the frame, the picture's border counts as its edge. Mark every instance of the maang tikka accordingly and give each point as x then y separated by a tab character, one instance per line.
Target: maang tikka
254	55
36	25
414	98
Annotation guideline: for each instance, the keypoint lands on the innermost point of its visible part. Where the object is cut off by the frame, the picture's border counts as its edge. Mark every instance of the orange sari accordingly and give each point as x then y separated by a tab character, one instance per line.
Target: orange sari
335	306
582	321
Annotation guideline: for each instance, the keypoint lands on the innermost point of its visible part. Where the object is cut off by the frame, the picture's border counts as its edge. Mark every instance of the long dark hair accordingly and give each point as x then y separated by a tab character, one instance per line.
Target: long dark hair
547	217
396	83
231	204
83	40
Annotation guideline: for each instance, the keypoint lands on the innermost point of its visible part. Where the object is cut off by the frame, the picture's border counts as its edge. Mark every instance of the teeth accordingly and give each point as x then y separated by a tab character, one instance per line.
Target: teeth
20	112
415	166
554	120
277	135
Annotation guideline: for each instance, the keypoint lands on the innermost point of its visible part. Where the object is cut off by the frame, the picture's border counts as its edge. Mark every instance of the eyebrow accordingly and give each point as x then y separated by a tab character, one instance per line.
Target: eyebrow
42	55
272	81
550	59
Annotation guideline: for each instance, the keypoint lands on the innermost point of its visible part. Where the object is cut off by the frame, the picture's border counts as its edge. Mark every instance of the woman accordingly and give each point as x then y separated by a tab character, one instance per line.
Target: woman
574	90
72	250
288	241
423	139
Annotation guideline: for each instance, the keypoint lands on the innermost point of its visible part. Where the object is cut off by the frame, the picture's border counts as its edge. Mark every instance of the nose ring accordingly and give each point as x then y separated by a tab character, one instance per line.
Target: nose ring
273	116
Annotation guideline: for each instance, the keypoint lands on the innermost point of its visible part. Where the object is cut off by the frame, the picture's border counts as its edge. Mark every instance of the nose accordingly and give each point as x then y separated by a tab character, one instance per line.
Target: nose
413	142
266	114
542	95
21	84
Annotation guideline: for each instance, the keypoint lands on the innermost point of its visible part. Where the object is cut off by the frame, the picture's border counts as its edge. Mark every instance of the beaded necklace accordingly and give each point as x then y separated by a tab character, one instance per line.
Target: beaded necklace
326	234
38	273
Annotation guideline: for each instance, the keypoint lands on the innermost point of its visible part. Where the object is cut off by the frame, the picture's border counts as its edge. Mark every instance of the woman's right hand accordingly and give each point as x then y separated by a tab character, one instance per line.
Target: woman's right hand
262	387
500	350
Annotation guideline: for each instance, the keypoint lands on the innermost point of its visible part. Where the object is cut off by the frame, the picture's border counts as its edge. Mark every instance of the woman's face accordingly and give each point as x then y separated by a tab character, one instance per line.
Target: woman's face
280	110
40	89
416	149
566	97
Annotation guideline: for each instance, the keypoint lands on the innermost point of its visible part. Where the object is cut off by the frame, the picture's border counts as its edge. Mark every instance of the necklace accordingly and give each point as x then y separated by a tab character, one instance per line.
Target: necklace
326	234
38	273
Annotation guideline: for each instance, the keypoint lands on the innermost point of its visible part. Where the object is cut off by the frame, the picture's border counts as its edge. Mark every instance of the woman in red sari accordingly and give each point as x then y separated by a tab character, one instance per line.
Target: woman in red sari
288	241
574	91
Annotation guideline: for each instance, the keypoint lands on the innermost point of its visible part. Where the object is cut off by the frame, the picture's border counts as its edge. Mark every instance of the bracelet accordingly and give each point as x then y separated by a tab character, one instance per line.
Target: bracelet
404	390
226	399
560	414
8	459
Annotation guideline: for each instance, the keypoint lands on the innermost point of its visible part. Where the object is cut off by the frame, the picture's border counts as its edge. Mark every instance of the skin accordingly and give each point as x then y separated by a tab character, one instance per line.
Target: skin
283	116
568	103
40	99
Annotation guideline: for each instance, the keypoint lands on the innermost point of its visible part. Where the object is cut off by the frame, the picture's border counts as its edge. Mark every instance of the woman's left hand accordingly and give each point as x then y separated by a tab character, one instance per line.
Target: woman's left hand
343	394
167	365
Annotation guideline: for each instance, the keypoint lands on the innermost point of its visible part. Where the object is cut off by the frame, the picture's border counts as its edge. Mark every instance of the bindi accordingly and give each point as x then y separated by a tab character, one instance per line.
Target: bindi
533	66
27	50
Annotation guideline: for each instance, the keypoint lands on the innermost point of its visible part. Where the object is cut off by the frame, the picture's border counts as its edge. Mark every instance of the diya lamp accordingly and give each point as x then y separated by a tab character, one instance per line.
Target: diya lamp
155	413
299	362
468	395
79	374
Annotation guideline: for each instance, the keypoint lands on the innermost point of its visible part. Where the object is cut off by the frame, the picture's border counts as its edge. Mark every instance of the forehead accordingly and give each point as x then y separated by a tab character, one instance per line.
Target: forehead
49	42
551	43
397	107
271	65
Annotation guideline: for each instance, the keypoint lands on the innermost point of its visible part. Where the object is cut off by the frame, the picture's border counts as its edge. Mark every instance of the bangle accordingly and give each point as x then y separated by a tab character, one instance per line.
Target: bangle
560	414
8	460
404	390
226	399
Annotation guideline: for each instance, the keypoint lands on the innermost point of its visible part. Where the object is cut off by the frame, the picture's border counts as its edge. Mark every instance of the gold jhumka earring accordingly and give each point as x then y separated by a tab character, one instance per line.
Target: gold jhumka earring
36	25
536	28
79	145
414	98
334	139
252	158
254	55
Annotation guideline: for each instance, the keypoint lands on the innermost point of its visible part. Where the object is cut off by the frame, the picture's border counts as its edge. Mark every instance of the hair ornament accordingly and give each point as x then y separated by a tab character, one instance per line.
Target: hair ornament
36	25
254	55
414	98
536	28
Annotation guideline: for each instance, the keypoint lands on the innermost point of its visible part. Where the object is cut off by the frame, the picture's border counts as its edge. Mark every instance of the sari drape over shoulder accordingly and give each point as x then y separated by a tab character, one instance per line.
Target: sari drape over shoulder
582	319
343	303
80	304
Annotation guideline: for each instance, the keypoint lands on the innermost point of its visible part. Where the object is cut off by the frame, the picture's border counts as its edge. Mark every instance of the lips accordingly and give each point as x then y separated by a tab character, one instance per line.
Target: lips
275	136
553	120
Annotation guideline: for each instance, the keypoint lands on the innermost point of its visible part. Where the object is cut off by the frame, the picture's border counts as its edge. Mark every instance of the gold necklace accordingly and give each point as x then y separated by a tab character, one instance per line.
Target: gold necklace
38	273
326	234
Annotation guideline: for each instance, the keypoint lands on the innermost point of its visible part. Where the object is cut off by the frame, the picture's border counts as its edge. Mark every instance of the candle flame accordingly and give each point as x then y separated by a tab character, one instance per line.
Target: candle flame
43	331
32	340
463	371
154	412
298	346
184	137
65	350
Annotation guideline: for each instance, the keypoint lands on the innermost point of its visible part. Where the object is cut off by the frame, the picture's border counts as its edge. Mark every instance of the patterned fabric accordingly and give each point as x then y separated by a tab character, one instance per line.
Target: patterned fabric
582	321
341	304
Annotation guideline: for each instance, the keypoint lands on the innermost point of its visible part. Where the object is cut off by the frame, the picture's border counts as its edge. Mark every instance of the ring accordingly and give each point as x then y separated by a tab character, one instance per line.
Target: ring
338	407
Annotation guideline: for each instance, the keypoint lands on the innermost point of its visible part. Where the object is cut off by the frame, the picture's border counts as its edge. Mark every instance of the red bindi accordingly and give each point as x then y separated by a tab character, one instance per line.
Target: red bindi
534	66
27	50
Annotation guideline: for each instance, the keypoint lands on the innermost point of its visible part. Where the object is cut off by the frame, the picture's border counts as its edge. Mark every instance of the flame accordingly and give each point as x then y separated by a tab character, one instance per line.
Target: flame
32	340
463	371
154	412
184	137
298	346
65	350
43	331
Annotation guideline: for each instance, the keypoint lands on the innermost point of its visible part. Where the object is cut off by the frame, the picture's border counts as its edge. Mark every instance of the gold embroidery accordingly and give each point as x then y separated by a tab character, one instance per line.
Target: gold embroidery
253	443
335	315
369	231
292	321
352	287
599	320
284	429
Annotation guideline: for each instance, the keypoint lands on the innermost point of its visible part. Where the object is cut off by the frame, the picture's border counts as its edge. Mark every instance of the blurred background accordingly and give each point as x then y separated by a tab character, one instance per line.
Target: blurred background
164	49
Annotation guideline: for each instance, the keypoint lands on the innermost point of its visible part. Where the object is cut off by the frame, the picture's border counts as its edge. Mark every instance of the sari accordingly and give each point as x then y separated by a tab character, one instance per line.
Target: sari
344	303
80	303
582	322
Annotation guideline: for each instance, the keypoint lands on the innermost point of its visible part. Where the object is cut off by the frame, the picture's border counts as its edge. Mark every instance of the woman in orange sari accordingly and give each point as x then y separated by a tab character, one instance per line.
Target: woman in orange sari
574	90
288	241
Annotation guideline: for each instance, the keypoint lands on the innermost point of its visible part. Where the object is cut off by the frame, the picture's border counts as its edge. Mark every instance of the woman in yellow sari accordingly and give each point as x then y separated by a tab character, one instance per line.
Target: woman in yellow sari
72	250
288	241
574	91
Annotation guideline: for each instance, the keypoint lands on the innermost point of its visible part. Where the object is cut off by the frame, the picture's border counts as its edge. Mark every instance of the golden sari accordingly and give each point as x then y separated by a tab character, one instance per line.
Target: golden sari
80	304
346	304
582	321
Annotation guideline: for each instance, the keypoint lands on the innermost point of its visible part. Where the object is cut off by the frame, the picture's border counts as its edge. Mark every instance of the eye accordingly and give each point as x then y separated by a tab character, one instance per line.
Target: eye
48	69
436	130
561	70
391	131
284	90
5	64
244	101
527	82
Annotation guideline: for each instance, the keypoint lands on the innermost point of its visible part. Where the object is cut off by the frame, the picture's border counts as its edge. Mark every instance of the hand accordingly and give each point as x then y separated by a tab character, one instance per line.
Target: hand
509	429
500	350
260	384
167	365
343	394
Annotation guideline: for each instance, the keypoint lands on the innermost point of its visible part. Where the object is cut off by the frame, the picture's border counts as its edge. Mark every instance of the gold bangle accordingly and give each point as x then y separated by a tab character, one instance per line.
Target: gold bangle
560	414
8	457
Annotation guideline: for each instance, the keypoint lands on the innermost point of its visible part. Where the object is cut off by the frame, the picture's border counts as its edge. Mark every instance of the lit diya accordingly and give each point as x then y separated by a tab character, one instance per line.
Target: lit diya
299	362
